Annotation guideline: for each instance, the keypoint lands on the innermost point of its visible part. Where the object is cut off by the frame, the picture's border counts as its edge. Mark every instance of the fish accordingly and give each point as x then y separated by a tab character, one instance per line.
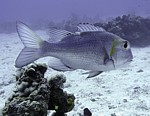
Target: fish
91	48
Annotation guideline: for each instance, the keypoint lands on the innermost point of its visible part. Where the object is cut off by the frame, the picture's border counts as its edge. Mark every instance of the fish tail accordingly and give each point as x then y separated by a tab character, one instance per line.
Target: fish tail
33	45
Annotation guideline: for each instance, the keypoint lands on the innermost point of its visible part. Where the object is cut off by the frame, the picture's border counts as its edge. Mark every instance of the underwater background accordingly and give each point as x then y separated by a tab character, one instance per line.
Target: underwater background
121	92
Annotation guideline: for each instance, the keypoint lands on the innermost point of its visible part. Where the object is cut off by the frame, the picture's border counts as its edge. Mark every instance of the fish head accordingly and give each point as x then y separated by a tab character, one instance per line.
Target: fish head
121	52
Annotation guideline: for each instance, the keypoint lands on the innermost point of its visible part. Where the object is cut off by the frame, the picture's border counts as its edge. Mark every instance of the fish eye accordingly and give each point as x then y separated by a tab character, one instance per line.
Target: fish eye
125	45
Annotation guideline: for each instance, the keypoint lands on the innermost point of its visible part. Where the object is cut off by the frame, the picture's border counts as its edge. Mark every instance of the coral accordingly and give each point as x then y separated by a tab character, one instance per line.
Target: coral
34	95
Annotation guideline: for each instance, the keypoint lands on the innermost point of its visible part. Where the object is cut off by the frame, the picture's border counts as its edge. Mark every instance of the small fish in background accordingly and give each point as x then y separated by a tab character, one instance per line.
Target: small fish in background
91	48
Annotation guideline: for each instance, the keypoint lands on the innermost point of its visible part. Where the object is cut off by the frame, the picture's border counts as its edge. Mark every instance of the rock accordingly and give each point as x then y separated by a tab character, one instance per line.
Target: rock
87	112
140	71
93	100
112	107
113	114
59	100
34	95
31	95
125	100
57	81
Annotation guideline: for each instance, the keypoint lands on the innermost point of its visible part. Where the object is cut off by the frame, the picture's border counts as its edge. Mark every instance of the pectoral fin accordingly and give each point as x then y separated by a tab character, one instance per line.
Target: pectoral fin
108	61
93	73
58	65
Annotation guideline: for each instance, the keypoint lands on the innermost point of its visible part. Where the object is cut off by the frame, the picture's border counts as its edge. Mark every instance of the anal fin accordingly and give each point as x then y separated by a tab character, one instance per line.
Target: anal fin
58	65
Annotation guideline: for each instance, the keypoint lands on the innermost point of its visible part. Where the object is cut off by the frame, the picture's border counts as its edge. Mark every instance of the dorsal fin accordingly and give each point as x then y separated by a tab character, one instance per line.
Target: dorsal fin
89	27
57	35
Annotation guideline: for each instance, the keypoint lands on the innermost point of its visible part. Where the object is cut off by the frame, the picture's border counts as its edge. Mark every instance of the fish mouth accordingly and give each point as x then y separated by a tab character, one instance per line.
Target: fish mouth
130	60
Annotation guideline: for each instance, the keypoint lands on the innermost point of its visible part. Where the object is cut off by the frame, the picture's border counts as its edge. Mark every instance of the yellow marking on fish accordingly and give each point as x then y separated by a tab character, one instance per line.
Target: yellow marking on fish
114	44
56	107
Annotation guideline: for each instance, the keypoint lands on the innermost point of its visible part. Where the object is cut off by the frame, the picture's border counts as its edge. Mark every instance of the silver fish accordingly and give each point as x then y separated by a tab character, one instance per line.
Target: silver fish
91	48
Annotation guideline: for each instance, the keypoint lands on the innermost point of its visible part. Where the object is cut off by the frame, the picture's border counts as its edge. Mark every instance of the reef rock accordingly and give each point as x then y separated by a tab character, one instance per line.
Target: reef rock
59	100
31	94
135	29
34	95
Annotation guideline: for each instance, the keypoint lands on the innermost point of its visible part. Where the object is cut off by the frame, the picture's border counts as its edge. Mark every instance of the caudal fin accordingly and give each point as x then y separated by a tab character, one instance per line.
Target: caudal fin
32	43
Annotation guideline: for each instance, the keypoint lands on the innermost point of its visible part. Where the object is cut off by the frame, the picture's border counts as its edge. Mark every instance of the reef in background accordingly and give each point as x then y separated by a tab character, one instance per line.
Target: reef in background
34	94
135	29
